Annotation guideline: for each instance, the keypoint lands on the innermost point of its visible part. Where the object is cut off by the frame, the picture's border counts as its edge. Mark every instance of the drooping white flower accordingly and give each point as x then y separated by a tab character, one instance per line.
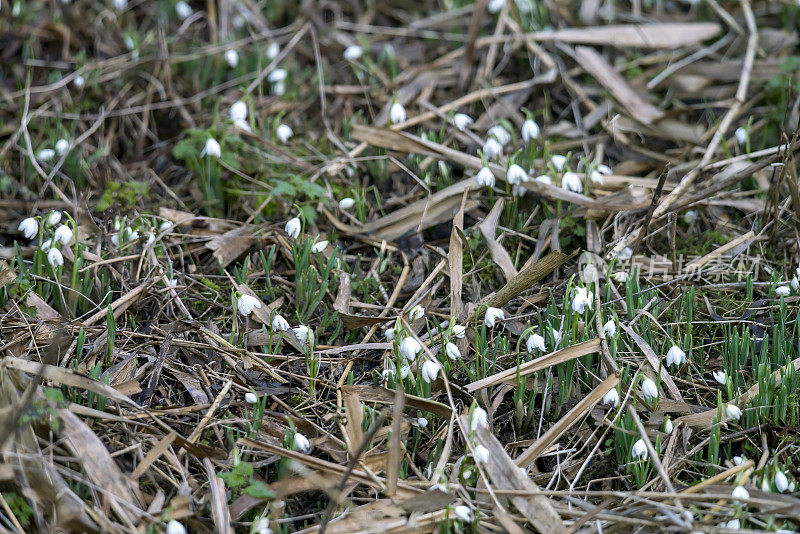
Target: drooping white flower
429	371
63	234
386	374
582	299
740	493
232	58
495	5
451	349
668	426
405	370
501	134
347	203
293	227
604	169
557	335
720	376
175	527
612	397
273	50
461	121
558	161
422	422
247	303
54	257
183	10
795	283
478	419
463	513
279	323
765	487
492	316
212	149
459	331
783	290
485	177
319	246
417	312
397	113
481	454
639	450
262	526
301	443
79	81
518	190
781	482
675	356
737	460
621	276
625	254
741	136
119	5
516	175
54	218
544	179
46	154
610	328
571	181
409	348
530	130
596	177
303	334
535	342
46	245
283	133
353	52
238	111
29	227
733	524
733	411
62	145
250	397
649	388
492	149
390	333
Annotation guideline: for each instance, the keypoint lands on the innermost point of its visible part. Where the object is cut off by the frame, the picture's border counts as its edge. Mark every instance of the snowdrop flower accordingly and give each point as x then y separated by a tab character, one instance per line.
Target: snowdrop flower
273	50
481	454
422	422
79	81
781	482
690	217
175	527
589	274
596	177
556	336
492	149
347	203
279	323
238	111
516	175
649	388
293	227
535	342
232	58
733	411
571	181
459	331
250	397
63	234
397	113
741	136
303	334
262	526
29	227
319	246
604	169
62	145
247	303
740	493
582	298
733	524
478	419
621	276
390	334
461	121
612	397
625	254
386	374
530	130
405	370
795	283
610	328
737	460
430	371
463	513
544	179
46	154
46	245
485	177
765	487
639	450
675	356
451	349
119	5
492	316
782	290
558	161
500	133
518	190
301	443
791	486
409	348
212	149
720	376
668	426
417	312
283	132
54	257
277	76
495	5
183	10
353	52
